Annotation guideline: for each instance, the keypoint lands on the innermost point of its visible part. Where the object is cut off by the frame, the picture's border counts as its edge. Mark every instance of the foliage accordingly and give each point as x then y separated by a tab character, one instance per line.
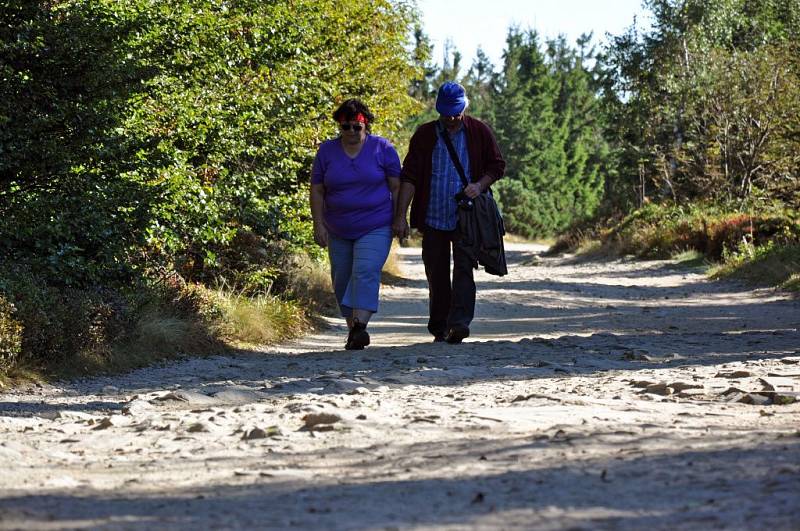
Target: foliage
547	130
170	127
660	231
144	138
766	265
10	335
704	105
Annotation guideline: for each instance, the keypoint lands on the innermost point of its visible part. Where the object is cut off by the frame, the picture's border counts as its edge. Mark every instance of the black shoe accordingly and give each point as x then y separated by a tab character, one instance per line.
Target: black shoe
438	339
358	338
457	334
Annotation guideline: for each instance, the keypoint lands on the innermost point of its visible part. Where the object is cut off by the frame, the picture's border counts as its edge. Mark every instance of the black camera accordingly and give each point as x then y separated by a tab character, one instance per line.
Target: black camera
463	201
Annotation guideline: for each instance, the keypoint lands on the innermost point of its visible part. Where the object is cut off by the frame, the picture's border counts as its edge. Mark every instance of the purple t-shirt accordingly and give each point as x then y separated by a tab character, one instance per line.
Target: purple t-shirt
357	196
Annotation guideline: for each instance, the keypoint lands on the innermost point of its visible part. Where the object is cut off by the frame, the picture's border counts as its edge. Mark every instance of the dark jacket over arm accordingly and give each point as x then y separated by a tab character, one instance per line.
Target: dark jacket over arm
484	159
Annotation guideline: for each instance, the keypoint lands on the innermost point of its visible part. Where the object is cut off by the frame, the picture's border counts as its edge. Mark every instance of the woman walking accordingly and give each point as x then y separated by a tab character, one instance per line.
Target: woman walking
354	185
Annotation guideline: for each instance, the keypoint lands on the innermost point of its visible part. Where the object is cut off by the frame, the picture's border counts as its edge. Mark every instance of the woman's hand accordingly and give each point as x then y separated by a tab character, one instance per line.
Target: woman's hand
320	235
400	227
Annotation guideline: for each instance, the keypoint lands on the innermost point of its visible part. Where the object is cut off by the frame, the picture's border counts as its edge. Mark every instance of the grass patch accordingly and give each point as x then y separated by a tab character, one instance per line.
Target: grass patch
765	265
258	320
759	246
792	283
690	258
52	332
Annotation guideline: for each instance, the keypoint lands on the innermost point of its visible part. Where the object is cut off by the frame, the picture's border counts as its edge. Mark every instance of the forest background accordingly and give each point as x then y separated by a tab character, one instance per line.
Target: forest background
154	156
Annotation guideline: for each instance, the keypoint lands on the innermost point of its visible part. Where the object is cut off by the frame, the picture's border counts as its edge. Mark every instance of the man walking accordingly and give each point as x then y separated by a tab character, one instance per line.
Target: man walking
431	179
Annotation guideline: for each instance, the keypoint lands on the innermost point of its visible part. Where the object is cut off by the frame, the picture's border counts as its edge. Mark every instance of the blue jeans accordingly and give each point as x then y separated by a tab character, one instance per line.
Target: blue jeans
356	269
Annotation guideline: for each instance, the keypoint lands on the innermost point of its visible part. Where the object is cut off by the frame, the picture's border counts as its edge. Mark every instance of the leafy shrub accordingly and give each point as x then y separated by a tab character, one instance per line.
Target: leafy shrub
659	231
769	264
167	146
10	335
173	133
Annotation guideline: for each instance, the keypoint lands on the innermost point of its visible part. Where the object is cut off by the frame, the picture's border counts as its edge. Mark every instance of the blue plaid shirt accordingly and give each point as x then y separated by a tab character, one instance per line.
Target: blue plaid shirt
446	183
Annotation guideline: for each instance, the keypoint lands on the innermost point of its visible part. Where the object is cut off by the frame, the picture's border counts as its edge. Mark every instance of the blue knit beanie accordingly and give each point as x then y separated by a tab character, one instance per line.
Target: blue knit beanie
451	100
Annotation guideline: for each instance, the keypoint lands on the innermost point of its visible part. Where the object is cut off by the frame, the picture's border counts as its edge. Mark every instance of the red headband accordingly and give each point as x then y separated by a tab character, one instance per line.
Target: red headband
361	118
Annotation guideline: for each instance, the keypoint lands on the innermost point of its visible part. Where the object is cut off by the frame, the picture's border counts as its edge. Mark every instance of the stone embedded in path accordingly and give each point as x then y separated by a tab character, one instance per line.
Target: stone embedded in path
136	406
755	399
683	386
238	396
255	433
197	427
103	424
312	420
188	397
658	389
734	374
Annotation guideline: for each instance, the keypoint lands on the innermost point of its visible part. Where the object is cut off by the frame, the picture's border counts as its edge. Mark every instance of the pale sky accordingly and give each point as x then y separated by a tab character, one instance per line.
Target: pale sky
469	23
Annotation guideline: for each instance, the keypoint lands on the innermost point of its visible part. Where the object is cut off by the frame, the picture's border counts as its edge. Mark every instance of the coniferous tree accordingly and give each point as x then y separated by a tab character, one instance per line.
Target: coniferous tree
481	85
533	138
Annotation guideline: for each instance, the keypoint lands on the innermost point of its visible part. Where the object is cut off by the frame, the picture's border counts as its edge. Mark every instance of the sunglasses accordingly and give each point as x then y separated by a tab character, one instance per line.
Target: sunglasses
355	127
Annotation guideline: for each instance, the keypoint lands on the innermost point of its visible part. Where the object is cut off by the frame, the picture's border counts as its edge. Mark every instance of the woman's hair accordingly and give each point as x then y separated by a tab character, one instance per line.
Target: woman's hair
351	108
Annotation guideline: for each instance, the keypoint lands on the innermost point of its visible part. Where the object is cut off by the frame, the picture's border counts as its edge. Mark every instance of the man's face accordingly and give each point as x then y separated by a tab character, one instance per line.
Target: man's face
452	123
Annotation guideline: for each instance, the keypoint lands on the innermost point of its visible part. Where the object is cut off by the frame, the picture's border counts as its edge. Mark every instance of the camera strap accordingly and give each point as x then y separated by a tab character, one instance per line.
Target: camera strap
453	156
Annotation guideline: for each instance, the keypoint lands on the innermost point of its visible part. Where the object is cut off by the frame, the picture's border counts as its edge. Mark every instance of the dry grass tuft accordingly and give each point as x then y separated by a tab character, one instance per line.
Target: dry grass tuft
259	320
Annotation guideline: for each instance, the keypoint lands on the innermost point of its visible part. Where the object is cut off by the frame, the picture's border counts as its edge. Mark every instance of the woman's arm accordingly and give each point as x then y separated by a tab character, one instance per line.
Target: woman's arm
317	209
394	187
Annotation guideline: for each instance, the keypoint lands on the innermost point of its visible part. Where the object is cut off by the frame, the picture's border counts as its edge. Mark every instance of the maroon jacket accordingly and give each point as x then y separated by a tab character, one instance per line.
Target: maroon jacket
484	159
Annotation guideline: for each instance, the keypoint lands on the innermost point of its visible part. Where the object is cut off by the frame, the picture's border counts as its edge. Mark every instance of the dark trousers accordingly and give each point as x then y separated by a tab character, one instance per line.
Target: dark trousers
450	304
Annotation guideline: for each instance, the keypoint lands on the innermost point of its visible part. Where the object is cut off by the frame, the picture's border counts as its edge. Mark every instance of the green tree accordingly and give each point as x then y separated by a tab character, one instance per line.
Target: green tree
164	133
702	103
552	149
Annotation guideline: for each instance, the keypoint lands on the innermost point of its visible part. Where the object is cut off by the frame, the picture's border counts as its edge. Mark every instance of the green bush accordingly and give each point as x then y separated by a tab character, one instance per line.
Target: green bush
149	133
769	264
152	148
10	335
659	231
59	322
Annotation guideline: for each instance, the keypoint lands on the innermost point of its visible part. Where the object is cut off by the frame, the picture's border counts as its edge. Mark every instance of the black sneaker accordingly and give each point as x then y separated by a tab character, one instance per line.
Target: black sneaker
358	338
457	334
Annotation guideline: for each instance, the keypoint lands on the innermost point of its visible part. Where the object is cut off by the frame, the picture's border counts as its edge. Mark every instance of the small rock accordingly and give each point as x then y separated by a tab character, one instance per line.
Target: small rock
77	416
732	390
683	386
658	389
135	407
735	397
317	419
104	423
734	374
783	399
630	355
255	433
691	393
169	396
754	399
642	383
197	427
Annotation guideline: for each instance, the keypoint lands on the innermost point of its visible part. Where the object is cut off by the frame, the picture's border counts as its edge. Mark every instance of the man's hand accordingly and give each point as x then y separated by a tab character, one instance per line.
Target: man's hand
320	234
473	190
400	227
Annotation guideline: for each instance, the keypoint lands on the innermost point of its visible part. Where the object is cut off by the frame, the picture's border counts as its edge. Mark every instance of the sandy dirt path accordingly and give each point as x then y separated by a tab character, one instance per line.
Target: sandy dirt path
597	395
